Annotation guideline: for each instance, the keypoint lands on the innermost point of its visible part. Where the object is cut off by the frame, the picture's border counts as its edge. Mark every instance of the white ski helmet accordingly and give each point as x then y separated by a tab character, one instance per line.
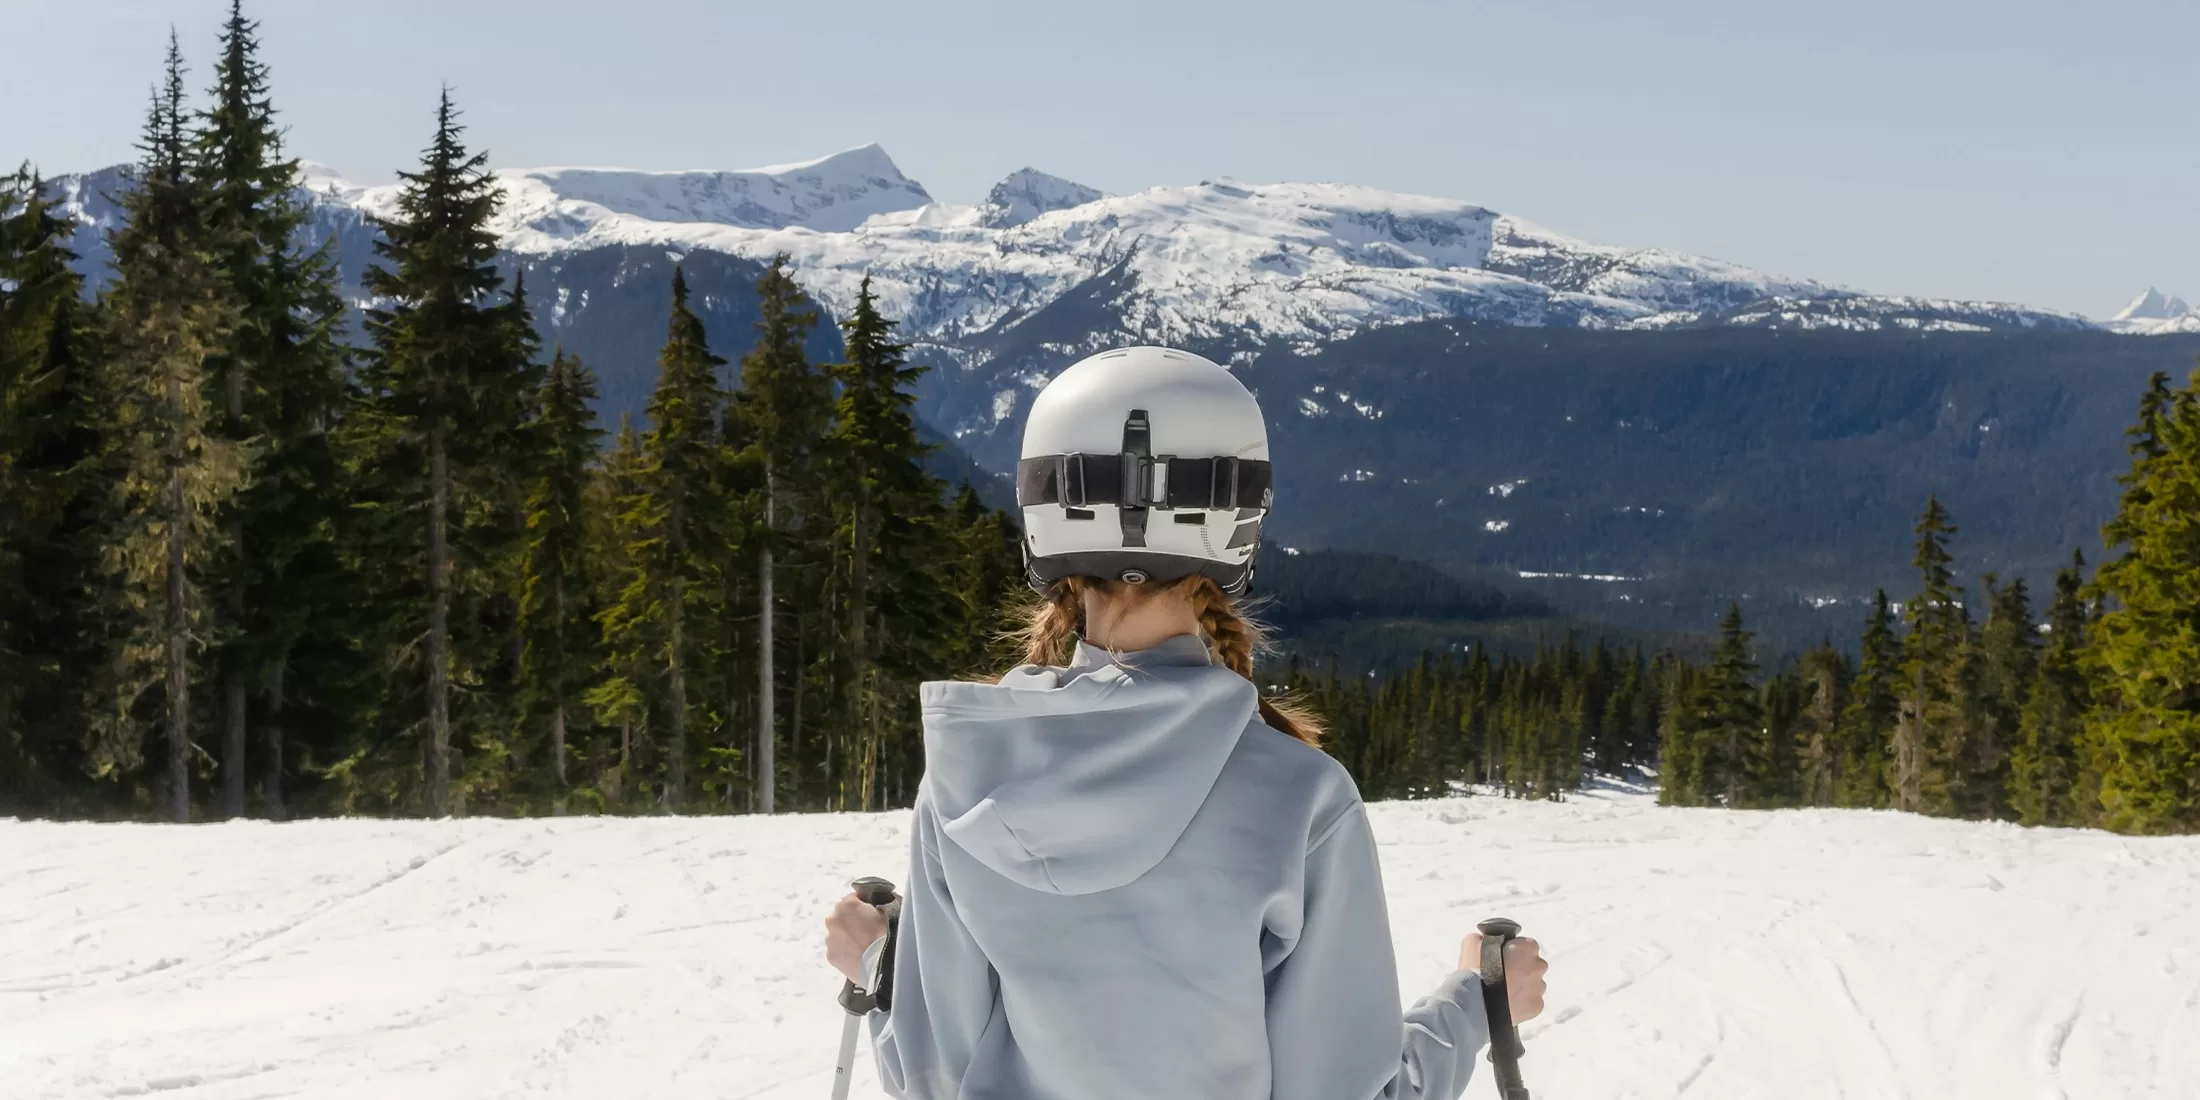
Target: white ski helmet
1144	464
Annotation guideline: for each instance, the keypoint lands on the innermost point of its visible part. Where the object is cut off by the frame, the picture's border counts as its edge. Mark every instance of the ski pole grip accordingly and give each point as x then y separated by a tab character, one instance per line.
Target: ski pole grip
1504	1039
878	892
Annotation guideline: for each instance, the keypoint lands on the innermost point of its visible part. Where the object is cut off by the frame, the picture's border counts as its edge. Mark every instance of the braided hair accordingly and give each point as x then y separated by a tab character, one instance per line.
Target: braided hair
1053	624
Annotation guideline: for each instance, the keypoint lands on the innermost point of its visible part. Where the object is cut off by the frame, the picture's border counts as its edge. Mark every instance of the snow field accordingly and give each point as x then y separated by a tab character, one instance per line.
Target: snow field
1694	952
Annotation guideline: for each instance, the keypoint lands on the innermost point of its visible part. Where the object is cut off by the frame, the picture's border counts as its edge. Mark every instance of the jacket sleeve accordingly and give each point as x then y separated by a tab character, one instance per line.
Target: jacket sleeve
943	993
1334	1029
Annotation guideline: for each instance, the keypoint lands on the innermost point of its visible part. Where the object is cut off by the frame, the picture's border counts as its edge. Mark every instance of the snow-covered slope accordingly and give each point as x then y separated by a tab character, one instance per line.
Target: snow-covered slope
1219	261
1701	953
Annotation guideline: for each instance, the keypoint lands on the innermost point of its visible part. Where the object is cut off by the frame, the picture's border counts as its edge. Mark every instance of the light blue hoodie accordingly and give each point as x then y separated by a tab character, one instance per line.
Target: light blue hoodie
1124	886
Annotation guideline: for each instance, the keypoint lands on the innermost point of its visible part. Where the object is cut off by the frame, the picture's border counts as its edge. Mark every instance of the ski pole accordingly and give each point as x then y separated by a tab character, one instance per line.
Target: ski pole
857	1000
1505	1046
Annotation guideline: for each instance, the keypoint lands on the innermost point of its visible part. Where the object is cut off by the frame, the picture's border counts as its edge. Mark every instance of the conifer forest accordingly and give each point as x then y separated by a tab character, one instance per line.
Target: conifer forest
256	559
265	551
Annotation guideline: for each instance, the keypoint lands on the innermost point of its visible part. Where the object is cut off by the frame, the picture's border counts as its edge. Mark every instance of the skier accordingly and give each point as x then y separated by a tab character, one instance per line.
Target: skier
1132	877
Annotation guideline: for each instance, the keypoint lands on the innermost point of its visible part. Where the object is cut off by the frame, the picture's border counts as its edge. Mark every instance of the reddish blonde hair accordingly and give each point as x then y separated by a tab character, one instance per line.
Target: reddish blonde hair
1054	623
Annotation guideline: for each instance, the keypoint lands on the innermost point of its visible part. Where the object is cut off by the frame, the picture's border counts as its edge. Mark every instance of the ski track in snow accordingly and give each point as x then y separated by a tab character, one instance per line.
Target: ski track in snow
1695	953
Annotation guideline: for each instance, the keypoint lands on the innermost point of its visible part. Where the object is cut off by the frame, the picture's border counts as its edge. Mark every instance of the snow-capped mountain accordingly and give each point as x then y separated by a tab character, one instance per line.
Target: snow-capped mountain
1028	193
2154	313
2153	306
1218	261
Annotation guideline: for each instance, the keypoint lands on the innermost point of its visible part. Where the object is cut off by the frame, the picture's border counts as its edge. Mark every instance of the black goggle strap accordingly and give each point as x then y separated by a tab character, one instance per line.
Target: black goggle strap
1084	480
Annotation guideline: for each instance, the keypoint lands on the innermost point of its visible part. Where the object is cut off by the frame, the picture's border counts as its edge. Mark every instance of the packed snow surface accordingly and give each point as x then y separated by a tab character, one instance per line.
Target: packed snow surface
1697	952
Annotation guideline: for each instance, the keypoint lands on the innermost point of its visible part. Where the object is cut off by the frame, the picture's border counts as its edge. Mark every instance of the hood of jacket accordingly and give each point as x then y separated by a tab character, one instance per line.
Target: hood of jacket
1080	779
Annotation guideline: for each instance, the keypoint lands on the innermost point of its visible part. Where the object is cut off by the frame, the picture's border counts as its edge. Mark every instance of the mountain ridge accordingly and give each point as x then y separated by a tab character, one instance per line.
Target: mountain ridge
1291	262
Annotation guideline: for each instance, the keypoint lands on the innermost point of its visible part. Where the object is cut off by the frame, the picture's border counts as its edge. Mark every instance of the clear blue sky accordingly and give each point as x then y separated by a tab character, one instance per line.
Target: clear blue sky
2025	150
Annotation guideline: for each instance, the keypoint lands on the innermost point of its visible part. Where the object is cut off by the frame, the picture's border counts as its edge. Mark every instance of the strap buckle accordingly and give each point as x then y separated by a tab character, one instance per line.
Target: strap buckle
1063	465
1222	490
1145	481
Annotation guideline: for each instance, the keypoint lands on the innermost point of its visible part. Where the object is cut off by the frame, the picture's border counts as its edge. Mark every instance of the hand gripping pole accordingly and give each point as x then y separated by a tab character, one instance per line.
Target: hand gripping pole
857	1000
1505	1046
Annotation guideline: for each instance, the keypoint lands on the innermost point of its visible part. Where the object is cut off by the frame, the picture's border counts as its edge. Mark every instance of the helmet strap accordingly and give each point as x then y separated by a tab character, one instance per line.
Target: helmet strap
1137	477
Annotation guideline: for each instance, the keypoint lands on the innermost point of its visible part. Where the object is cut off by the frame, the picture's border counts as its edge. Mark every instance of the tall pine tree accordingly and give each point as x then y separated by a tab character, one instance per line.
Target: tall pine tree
557	597
887	537
618	698
446	394
676	522
175	471
1736	717
783	408
1997	672
51	495
1939	628
1825	678
2046	781
278	378
1875	708
2145	727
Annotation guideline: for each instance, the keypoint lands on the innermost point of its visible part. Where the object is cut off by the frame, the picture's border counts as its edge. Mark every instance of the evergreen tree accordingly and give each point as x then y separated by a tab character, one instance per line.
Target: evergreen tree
783	408
1874	710
1825	681
1997	673
50	499
557	605
1645	709
446	392
1684	749
278	378
2144	730
887	536
618	698
1773	766
984	577
2046	784
175	471
1939	629
676	521
1736	717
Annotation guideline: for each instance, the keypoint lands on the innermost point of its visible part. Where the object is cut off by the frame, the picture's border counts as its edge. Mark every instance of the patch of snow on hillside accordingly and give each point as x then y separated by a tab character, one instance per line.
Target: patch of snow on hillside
1726	954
